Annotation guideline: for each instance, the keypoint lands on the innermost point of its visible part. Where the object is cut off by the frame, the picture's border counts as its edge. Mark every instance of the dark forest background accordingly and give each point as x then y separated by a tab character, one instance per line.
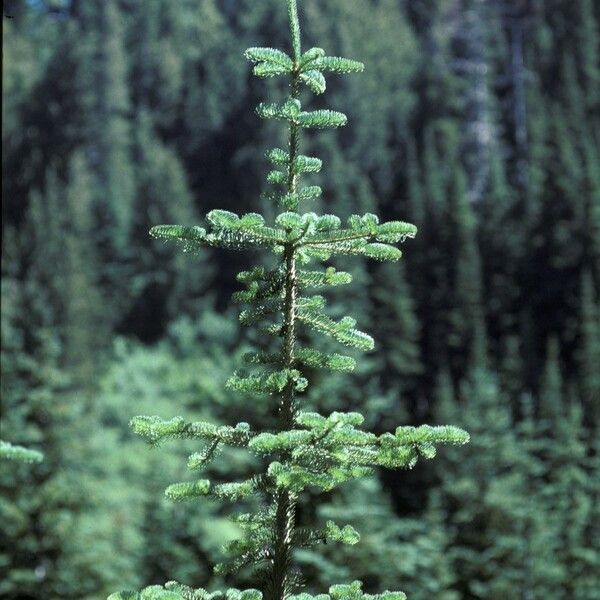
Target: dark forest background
477	120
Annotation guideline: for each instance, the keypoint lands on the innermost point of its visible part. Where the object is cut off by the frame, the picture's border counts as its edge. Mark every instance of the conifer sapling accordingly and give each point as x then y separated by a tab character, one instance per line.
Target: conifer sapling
306	449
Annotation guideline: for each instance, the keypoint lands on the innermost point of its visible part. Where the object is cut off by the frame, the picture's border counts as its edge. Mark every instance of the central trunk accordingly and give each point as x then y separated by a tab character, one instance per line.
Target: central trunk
279	580
279	583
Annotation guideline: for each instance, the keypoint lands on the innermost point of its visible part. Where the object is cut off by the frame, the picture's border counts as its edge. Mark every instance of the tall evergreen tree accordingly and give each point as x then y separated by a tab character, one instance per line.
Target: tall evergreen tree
103	70
464	310
84	323
502	245
591	209
400	365
161	194
109	114
32	381
484	494
58	317
588	44
157	64
565	495
307	449
428	268
589	356
47	123
471	23
14	361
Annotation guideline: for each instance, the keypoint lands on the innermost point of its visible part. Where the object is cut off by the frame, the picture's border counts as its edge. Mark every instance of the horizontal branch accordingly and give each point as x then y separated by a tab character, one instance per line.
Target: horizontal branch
173	590
16	453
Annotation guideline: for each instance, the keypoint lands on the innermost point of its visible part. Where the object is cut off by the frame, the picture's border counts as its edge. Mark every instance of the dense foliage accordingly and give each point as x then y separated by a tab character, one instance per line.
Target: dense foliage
477	121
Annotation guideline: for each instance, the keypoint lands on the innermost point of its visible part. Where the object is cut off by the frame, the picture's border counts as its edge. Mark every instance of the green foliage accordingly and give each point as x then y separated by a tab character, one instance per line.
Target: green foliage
9	451
412	550
475	121
488	561
590	348
161	537
176	591
308	450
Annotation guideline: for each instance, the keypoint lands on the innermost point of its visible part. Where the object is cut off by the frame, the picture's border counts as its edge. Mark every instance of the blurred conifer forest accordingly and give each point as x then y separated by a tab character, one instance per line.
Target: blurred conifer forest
477	120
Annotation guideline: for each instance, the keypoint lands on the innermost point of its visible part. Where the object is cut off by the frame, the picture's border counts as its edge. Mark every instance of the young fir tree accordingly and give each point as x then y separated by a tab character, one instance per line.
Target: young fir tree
34	413
305	449
565	491
11	348
484	495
